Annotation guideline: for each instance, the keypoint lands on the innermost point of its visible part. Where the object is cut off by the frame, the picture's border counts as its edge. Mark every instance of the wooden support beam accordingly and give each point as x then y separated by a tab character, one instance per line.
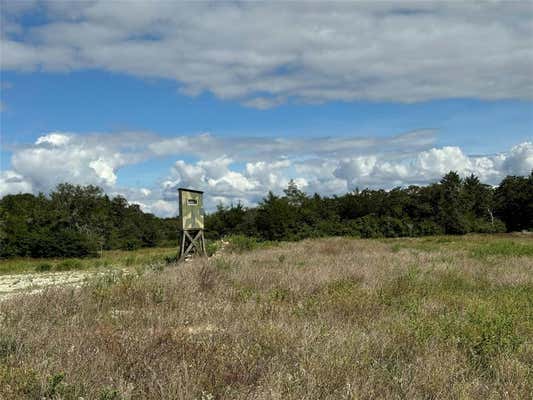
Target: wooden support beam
190	244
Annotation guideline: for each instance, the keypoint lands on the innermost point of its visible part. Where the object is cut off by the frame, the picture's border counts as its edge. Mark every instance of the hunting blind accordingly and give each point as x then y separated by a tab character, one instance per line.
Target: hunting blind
191	221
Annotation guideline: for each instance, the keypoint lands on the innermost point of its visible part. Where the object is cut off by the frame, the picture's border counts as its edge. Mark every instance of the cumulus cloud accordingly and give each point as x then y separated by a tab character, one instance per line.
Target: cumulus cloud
55	139
232	169
520	159
65	157
427	166
328	176
264	54
12	183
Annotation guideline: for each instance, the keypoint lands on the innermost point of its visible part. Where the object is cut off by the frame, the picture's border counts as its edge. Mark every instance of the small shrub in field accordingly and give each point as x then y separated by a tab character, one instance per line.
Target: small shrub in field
158	294
17	383
58	389
240	243
140	270
43	267
212	247
157	267
207	277
279	294
69	265
130	260
109	394
224	264
171	259
54	385
395	248
8	346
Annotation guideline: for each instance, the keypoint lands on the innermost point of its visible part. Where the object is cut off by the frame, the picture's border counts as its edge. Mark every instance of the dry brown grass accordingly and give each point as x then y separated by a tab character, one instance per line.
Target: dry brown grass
319	319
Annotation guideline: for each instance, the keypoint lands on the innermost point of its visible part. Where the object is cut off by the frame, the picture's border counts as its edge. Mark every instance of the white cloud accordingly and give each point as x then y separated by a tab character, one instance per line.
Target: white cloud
233	169
64	157
13	183
520	159
104	170
55	139
163	208
264	54
427	166
208	146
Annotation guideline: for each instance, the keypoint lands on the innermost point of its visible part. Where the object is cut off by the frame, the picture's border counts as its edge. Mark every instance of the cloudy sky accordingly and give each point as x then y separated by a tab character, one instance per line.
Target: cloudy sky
238	98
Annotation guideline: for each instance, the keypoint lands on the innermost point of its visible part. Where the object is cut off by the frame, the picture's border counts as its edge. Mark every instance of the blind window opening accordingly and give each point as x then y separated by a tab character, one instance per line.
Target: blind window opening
192	202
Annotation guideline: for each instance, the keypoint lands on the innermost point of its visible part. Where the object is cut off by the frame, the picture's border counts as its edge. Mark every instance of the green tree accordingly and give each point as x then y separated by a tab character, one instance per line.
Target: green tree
452	205
514	202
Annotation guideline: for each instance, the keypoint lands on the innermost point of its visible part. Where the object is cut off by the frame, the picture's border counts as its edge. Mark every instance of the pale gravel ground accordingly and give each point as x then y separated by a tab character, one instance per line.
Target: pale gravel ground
12	285
15	284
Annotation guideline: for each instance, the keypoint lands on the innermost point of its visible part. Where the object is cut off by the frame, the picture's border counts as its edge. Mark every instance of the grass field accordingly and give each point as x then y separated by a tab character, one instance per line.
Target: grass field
108	259
427	318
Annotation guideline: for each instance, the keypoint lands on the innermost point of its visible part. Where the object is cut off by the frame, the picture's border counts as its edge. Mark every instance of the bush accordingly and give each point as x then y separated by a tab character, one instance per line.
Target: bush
69	265
43	267
370	227
428	228
8	346
212	247
132	244
240	243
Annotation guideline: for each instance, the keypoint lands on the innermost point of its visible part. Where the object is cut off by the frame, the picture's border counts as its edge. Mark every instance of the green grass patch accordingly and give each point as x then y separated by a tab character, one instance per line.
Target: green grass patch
69	265
481	319
242	243
502	248
108	259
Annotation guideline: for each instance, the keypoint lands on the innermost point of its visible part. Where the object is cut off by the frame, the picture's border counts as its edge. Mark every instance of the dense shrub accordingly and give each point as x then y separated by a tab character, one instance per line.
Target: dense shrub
76	221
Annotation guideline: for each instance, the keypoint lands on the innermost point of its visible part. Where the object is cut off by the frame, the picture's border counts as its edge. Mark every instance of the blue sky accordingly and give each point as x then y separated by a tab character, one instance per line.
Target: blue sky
238	99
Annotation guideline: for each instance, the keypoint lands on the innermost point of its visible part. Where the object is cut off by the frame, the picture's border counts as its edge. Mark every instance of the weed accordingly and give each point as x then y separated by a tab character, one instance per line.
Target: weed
158	294
279	294
240	243
224	264
171	259
396	247
43	267
207	277
8	346
156	267
19	383
140	270
69	265
54	385
109	394
130	260
243	294
212	247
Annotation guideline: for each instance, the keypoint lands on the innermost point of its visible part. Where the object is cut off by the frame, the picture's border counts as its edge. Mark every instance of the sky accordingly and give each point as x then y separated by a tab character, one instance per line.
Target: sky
237	98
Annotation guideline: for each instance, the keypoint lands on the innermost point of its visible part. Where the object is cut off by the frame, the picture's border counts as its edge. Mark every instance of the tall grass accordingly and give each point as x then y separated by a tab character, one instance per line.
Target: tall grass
317	319
112	258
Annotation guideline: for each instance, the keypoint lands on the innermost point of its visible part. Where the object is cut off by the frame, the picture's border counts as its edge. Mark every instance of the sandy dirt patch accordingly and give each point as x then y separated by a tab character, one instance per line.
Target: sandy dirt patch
15	284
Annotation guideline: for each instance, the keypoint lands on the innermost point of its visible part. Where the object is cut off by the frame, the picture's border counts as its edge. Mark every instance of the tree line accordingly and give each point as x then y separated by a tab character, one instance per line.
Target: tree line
78	221
451	206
